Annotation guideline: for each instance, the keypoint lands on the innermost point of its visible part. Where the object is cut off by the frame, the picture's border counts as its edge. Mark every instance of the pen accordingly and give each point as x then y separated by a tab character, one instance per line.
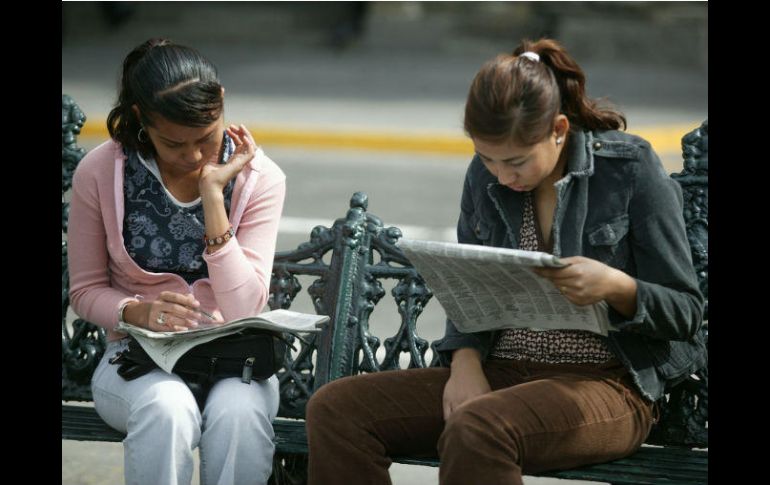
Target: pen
207	315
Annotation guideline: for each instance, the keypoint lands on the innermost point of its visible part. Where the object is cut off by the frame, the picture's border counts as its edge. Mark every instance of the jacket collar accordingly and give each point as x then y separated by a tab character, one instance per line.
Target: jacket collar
580	166
580	155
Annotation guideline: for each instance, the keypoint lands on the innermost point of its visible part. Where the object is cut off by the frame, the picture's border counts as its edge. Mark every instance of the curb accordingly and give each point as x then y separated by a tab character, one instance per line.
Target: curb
664	138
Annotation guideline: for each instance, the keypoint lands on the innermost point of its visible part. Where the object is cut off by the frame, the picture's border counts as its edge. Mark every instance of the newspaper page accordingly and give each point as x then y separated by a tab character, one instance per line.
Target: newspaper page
165	348
278	320
484	288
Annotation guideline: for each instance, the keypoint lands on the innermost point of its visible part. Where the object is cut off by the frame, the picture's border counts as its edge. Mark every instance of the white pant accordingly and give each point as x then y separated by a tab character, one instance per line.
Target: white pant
163	425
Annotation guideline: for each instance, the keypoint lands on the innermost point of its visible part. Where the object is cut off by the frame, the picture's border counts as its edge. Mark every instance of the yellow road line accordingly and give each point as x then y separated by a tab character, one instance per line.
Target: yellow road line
663	138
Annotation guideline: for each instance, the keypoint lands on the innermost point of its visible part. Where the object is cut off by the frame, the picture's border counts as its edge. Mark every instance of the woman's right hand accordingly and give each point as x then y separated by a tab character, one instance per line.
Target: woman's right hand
215	176
466	380
179	312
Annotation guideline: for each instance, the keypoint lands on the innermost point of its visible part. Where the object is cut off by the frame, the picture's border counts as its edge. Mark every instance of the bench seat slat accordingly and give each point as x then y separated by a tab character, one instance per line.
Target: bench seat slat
614	469
618	479
647	466
611	472
81	423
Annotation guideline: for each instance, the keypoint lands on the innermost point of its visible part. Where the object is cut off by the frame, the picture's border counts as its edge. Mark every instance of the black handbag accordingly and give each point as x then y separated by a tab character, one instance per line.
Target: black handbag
251	354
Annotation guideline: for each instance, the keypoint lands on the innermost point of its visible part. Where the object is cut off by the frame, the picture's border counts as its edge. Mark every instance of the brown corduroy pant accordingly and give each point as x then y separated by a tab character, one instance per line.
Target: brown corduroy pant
538	417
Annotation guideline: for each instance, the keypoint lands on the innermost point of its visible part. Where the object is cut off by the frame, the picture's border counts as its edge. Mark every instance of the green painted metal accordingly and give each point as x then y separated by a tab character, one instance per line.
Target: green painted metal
82	344
647	466
81	423
339	361
684	410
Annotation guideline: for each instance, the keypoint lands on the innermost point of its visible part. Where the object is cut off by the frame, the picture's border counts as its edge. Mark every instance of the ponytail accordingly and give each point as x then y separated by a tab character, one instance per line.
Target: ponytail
571	80
517	97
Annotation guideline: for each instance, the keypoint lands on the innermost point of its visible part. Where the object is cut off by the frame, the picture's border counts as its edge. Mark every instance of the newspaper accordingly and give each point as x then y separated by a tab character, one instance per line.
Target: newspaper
165	348
485	288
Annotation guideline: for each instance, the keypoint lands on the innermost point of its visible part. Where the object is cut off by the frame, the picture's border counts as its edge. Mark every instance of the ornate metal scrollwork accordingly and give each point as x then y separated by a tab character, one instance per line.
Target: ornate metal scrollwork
72	121
361	237
694	182
410	294
297	377
371	293
82	350
684	410
284	286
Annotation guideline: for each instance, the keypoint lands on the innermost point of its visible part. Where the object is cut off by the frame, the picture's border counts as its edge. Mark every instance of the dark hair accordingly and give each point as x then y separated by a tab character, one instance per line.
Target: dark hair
517	98
162	78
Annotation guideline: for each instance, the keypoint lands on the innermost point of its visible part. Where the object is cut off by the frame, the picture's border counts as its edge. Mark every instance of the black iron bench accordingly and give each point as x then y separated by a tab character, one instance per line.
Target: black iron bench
349	262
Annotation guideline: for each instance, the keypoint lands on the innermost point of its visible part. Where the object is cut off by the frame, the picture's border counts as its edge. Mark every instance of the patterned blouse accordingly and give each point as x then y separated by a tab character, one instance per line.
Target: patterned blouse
547	346
162	234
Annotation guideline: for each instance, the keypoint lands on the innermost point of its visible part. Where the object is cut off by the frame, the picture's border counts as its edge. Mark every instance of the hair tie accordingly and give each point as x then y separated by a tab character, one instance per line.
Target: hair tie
530	55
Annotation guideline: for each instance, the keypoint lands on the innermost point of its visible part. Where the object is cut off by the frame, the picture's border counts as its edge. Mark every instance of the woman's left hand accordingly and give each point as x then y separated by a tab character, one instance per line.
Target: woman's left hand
586	281
214	176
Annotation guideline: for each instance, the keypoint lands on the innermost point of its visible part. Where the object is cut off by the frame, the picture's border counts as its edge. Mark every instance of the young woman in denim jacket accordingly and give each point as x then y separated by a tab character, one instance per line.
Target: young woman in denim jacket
551	173
141	205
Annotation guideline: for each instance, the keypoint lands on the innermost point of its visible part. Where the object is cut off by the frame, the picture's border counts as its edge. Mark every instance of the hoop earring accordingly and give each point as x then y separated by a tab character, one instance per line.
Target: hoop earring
139	135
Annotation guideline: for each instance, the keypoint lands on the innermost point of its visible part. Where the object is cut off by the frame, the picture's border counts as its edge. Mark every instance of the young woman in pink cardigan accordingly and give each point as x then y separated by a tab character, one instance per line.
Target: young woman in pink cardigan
176	215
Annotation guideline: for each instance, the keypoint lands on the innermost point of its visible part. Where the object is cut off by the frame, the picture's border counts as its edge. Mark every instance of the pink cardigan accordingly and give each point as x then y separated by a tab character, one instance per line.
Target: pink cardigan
103	275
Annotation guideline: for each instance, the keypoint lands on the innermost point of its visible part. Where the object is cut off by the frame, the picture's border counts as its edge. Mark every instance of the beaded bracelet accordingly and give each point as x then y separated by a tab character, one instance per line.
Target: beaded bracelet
219	239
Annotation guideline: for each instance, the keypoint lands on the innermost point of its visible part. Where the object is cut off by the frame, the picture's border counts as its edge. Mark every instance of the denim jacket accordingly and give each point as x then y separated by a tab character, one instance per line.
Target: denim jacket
617	205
